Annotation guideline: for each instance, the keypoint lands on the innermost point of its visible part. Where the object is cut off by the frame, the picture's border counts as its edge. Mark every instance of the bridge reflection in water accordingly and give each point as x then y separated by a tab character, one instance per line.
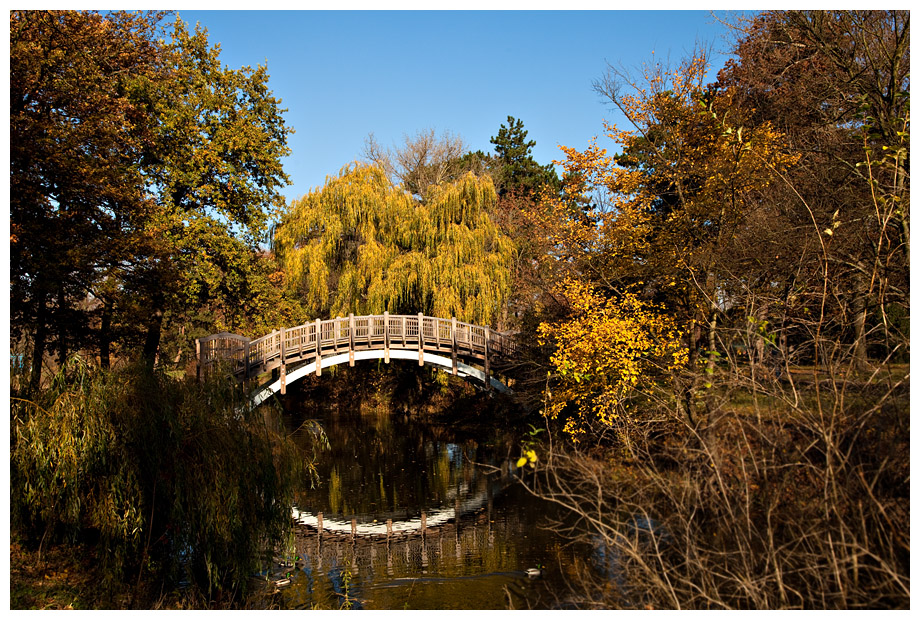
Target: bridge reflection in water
418	526
383	468
467	563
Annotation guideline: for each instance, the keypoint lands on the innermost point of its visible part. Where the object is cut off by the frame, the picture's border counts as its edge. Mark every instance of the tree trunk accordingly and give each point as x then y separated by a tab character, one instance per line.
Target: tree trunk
711	342
860	355
105	337
686	388
38	350
62	327
152	341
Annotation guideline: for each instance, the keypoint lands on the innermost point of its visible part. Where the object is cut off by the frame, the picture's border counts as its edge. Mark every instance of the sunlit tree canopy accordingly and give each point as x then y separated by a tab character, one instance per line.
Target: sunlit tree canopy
359	244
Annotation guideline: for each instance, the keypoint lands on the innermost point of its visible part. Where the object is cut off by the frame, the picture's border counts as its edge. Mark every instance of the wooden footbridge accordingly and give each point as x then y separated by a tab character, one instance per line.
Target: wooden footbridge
467	350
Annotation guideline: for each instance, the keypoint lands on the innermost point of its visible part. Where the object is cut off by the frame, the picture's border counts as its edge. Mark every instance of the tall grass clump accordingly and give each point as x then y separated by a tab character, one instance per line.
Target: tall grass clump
172	481
790	492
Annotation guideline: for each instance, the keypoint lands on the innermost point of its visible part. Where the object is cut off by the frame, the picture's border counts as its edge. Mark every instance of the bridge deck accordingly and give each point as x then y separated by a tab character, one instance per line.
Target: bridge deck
317	339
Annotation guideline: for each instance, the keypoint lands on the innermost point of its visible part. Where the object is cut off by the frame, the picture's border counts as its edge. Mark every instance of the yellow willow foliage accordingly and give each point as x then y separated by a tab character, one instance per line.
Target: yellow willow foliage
604	352
359	244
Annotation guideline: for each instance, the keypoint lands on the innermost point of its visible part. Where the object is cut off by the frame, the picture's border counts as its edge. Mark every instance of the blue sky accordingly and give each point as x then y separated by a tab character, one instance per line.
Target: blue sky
343	75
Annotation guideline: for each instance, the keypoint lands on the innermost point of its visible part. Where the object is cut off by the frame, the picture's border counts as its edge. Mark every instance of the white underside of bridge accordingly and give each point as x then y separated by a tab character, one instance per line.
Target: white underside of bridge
463	370
434	518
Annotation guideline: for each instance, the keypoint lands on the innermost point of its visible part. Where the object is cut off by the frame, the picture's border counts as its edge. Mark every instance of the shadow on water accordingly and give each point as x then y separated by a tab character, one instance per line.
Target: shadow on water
416	512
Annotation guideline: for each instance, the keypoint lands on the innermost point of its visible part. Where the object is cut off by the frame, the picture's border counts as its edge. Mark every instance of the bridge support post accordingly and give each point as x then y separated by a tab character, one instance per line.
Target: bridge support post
453	344
487	332
283	369
351	339
386	337
421	339
319	353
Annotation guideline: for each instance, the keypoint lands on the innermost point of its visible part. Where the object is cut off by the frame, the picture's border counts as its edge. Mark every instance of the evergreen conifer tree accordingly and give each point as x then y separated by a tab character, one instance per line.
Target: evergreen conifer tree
518	171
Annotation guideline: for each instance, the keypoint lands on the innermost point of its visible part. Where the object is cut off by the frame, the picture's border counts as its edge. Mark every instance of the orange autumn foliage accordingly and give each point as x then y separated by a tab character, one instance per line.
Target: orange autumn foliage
660	220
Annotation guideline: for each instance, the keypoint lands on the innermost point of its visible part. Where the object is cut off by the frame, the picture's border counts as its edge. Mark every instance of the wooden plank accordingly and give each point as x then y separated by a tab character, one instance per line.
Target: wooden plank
486	360
453	345
386	337
318	360
351	339
246	355
283	365
421	340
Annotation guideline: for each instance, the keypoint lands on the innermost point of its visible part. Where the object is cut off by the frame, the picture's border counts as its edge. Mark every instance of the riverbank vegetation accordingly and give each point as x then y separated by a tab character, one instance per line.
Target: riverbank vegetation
713	315
768	214
168	482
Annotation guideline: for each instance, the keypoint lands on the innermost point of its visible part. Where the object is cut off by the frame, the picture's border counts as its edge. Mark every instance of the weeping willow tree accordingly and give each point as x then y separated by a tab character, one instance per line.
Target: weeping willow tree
360	244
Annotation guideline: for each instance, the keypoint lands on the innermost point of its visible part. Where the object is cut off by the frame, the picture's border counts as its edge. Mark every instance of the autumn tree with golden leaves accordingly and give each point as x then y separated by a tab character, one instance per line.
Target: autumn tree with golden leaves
361	245
667	211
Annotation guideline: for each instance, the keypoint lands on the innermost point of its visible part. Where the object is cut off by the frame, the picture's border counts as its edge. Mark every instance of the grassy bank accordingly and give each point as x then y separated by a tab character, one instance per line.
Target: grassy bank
69	576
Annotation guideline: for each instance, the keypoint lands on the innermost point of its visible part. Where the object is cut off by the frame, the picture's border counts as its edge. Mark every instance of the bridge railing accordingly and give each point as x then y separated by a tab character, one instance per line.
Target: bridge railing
318	338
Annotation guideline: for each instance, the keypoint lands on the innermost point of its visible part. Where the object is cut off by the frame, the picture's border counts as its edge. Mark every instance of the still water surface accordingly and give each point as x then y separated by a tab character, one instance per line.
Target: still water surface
483	529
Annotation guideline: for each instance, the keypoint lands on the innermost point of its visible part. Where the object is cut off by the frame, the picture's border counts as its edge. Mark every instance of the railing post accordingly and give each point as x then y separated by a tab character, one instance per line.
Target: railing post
335	335
486	331
198	359
351	339
246	360
404	331
319	355
421	339
453	344
283	371
386	336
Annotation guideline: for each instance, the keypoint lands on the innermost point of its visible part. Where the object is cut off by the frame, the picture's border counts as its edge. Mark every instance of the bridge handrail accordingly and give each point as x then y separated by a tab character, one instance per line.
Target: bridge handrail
298	343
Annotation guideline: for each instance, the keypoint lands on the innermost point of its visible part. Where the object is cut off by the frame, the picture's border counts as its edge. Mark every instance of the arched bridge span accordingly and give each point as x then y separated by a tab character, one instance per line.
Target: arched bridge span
467	350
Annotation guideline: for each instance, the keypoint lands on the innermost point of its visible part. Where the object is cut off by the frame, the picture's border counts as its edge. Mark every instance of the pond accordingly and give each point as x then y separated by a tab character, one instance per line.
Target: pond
420	514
